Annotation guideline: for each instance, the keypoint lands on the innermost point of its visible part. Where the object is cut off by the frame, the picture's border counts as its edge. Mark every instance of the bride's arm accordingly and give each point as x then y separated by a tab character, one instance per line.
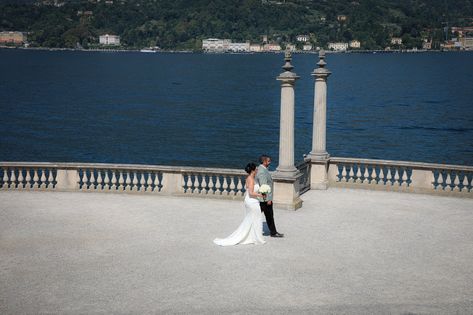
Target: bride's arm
250	183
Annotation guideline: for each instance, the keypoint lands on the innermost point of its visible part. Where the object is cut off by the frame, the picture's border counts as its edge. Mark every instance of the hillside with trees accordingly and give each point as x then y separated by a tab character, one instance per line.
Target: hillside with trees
182	24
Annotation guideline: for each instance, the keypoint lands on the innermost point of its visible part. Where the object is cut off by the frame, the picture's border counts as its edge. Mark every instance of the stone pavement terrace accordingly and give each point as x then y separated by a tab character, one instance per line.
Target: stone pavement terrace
345	252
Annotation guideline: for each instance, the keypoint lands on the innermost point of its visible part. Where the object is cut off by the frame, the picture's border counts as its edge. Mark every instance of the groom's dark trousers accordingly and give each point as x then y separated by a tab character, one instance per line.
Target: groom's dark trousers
268	213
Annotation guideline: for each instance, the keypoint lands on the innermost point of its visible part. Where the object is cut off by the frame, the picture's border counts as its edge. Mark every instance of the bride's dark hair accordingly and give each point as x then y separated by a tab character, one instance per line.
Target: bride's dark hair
250	167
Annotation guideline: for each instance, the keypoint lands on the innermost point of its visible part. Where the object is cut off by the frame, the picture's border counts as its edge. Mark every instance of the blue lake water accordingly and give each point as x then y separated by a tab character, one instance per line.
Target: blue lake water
223	110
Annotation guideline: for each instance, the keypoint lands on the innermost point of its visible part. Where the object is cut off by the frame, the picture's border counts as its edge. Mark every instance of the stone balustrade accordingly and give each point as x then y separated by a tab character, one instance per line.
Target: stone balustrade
454	180
118	178
398	176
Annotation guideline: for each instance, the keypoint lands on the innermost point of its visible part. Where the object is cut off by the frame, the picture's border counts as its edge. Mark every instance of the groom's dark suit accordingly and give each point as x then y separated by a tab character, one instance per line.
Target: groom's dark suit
264	177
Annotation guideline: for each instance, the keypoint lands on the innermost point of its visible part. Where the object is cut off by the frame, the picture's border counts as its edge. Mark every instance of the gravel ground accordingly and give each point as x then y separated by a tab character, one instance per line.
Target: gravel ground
345	252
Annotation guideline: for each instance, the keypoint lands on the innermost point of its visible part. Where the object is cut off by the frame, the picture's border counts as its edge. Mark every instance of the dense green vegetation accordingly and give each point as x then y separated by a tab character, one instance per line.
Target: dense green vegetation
182	24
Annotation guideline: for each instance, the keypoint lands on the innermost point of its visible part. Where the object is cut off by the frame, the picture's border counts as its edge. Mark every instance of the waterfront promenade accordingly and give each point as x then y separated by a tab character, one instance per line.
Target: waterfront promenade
346	252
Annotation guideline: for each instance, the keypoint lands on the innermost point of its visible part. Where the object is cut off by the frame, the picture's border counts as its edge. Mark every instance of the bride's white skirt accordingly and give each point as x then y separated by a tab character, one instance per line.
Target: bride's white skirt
250	230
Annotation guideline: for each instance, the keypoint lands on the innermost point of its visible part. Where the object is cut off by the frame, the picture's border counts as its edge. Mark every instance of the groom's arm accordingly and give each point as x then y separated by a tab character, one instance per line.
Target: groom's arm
264	178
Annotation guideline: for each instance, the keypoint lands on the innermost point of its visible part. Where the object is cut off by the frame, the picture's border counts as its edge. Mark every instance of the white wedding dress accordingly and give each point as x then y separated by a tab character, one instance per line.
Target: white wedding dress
250	230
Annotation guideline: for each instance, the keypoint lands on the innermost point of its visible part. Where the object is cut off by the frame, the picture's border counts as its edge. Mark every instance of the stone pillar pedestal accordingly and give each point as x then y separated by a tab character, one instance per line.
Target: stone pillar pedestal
319	156
172	183
67	180
286	195
319	174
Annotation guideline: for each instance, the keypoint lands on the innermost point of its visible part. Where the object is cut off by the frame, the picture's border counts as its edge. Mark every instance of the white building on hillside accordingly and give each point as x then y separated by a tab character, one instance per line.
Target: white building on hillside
303	38
338	46
256	48
396	41
215	45
355	44
307	47
239	47
109	39
272	47
291	47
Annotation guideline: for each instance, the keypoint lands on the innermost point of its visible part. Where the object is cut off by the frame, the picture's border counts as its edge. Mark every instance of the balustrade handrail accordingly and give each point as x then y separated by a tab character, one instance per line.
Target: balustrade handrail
417	165
144	167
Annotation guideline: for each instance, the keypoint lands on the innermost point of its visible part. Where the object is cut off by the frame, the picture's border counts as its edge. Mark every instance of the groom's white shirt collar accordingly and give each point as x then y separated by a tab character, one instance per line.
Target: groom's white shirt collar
263	166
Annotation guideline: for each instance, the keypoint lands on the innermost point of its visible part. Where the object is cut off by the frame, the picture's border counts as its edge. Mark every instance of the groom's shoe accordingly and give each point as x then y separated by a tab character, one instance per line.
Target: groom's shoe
277	235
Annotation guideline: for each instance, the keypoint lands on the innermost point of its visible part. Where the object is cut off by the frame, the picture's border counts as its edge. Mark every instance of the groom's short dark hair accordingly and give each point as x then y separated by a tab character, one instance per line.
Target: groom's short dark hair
263	158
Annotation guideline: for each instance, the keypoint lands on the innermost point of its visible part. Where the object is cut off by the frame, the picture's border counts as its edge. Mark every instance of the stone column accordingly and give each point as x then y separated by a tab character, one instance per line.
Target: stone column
319	156
286	127
286	176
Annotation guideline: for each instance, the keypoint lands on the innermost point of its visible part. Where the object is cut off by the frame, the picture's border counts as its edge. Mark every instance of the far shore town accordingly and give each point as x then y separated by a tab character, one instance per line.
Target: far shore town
463	40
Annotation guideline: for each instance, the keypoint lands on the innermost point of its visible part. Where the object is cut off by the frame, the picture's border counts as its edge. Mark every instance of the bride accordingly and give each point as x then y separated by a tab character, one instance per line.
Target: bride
250	230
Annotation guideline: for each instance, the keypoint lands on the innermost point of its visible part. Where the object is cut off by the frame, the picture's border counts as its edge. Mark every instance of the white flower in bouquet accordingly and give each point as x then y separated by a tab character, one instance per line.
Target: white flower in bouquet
264	189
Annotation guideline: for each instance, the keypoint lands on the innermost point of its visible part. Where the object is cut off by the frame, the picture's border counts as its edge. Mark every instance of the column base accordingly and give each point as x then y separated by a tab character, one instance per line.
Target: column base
318	156
286	196
319	174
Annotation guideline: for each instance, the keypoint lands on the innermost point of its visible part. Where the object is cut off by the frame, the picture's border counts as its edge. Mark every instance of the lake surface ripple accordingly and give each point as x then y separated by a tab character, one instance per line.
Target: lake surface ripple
223	110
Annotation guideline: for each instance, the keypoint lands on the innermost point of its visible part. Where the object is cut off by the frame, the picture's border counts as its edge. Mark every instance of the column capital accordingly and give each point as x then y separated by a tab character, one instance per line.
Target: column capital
287	76
321	71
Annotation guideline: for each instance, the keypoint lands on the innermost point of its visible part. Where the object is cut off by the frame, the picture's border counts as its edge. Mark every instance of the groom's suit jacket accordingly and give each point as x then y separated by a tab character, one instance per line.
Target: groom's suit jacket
264	177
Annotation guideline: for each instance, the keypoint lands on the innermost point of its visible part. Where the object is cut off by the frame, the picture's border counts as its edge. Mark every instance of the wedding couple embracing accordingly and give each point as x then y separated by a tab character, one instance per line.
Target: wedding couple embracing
258	198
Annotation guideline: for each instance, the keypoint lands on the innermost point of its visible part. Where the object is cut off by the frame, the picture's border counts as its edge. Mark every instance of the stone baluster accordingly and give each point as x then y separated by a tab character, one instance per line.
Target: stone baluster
50	179
142	182
351	175
149	183
404	178
218	186
35	179
128	181
43	179
373	176
20	179
465	184
156	183
5	178
366	176
12	179
344	173
396	177
106	181
232	186
189	184
440	181
211	185
240	187
389	178
28	179
448	182
84	180
224	186
135	182
99	180
358	174
381	176
92	180
121	181
195	184
286	177
203	185
456	183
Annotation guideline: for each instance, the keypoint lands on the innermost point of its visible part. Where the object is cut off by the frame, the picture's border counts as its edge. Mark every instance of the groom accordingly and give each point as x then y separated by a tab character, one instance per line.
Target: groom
263	177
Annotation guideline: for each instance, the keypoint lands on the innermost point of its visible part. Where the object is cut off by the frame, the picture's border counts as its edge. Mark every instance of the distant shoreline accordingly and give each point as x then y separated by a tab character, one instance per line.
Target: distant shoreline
409	51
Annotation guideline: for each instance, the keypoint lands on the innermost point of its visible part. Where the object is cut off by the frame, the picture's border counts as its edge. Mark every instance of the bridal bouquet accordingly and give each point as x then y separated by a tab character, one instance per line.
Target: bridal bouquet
264	190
